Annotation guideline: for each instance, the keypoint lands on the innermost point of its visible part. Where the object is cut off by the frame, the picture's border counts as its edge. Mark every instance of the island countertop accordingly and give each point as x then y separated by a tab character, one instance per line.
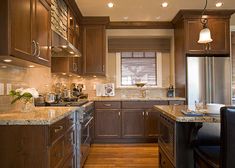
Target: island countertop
38	116
174	112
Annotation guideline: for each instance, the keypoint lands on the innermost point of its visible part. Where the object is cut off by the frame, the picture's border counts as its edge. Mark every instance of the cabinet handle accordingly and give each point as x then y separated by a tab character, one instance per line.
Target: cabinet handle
59	129
119	113
38	47
34	47
147	113
103	68
143	113
108	105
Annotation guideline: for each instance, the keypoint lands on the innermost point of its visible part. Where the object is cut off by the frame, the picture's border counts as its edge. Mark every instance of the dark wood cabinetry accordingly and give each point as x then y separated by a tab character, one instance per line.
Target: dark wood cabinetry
133	121
108	123
26	25
47	146
94	43
128	121
219	33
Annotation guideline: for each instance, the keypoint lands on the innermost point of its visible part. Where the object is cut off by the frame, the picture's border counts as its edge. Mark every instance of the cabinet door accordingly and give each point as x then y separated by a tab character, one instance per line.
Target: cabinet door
151	123
107	123
193	28
70	162
21	26
94	49
42	31
220	34
133	123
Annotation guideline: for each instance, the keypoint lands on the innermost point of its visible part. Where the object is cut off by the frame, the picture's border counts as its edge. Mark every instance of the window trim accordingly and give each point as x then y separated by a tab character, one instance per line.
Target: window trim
158	74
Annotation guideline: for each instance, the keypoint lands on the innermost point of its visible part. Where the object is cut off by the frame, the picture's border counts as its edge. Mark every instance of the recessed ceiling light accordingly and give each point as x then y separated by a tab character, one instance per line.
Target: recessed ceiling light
70	75
71	52
71	18
164	4
110	4
94	76
7	60
125	17
219	4
31	66
63	73
4	66
78	76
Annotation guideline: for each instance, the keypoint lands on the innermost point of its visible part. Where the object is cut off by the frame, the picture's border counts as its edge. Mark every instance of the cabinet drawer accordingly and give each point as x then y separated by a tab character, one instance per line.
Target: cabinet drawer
164	161
57	129
108	105
57	153
142	104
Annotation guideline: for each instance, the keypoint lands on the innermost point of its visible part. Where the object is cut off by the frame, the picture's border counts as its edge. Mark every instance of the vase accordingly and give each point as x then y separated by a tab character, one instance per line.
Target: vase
27	105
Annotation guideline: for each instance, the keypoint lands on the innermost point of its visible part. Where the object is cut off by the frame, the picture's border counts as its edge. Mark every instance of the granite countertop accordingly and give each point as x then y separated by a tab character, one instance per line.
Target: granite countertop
174	112
125	98
39	116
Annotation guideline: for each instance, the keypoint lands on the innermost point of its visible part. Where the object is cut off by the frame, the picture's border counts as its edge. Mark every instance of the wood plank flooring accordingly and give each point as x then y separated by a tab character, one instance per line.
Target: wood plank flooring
123	156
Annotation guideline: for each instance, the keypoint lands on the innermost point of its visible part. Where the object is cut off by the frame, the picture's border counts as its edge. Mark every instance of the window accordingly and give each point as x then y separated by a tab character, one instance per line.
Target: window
138	67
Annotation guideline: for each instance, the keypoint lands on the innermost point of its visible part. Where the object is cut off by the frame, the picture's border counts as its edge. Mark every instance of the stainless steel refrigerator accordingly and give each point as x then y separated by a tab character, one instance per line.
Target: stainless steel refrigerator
208	80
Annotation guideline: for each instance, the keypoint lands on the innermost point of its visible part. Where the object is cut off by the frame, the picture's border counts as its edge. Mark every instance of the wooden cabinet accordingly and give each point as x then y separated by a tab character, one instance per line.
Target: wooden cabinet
133	121
66	65
128	121
47	146
94	43
219	32
151	123
27	25
107	123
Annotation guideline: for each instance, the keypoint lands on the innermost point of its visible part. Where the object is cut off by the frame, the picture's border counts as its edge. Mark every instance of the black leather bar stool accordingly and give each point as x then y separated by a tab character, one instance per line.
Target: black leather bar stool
223	155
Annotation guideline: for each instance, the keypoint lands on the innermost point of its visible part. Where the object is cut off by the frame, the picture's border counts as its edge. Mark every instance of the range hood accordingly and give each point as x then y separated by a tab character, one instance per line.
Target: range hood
63	48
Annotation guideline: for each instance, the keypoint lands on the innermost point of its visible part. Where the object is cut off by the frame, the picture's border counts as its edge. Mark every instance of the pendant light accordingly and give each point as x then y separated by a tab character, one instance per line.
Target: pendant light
205	34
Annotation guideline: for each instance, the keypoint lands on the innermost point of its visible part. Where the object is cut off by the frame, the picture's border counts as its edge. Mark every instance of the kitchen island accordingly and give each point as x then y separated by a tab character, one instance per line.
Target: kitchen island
45	137
178	134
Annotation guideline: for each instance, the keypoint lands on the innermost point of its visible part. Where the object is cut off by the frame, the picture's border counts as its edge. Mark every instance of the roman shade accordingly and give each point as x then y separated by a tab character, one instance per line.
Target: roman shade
125	44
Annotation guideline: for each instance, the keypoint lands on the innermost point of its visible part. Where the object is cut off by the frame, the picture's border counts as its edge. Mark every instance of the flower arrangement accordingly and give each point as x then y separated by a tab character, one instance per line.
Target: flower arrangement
24	94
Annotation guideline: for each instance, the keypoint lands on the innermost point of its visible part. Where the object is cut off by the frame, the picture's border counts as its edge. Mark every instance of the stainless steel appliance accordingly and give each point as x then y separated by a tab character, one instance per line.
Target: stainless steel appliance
86	119
208	80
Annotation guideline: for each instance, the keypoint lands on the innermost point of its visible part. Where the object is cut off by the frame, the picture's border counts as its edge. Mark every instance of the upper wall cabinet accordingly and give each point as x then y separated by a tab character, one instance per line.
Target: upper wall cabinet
219	28
188	25
94	49
26	30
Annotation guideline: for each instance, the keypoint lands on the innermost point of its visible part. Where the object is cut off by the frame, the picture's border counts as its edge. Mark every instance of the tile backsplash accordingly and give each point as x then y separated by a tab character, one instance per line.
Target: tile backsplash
43	80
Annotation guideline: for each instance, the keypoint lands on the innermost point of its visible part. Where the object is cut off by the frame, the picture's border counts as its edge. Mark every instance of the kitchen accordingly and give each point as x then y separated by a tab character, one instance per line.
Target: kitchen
107	78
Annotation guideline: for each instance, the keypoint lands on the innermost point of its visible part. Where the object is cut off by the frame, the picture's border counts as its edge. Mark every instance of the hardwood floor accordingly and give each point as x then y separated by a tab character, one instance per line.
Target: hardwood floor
123	156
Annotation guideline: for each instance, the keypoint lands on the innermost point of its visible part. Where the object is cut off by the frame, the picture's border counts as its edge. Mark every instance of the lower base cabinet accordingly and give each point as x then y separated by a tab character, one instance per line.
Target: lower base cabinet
38	146
127	121
164	162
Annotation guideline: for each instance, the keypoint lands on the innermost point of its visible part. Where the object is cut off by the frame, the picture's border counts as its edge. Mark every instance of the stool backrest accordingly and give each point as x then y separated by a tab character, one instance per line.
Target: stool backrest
227	137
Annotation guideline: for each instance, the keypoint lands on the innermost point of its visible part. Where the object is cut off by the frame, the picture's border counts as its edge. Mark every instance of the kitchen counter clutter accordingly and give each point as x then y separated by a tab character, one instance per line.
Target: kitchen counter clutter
132	98
39	116
174	112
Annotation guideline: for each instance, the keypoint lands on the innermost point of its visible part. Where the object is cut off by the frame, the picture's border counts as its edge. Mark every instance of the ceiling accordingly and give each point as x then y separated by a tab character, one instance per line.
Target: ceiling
145	10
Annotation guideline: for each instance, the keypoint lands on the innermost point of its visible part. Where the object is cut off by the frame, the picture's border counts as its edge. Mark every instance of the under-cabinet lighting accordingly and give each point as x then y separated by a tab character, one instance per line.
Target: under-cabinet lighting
219	4
31	66
7	60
